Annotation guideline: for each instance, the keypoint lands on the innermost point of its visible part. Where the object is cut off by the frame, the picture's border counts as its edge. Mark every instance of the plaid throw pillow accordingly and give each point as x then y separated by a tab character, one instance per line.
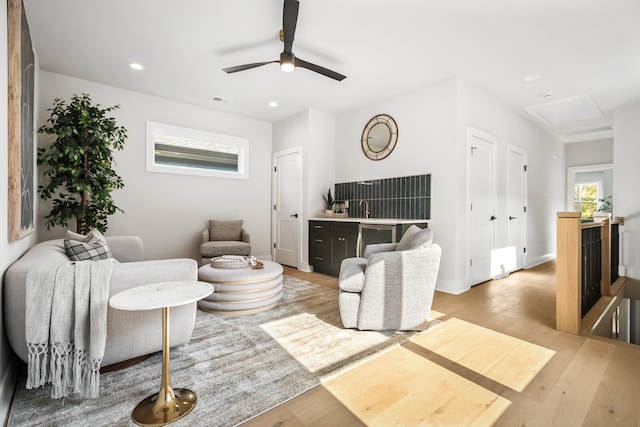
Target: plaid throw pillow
90	247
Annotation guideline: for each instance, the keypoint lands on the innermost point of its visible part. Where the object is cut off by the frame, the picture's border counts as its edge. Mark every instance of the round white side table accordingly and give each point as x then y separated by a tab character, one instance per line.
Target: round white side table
169	404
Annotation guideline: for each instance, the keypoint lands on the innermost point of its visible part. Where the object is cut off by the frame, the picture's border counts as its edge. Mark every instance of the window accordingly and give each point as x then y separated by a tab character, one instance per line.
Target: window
174	149
585	199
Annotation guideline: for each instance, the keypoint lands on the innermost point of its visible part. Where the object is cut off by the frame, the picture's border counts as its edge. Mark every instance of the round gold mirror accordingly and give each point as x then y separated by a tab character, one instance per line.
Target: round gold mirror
379	137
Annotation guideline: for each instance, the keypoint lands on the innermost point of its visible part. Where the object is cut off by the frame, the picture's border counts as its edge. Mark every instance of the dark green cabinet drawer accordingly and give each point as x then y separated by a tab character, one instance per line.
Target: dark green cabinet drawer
329	243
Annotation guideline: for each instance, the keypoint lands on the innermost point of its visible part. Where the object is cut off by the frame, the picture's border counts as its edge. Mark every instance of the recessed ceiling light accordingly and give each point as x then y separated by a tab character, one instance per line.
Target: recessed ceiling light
136	66
273	104
219	99
547	94
532	78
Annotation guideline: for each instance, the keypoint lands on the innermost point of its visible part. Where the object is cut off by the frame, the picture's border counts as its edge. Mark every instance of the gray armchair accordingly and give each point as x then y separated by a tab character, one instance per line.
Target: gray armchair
392	286
224	238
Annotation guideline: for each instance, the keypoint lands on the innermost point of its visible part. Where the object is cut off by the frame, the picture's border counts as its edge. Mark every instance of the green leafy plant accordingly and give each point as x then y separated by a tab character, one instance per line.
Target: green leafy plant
605	204
78	164
327	198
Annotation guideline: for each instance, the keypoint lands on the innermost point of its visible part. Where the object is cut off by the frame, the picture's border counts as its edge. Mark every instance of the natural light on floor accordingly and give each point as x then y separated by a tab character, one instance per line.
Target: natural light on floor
409	389
503	260
454	373
507	360
329	344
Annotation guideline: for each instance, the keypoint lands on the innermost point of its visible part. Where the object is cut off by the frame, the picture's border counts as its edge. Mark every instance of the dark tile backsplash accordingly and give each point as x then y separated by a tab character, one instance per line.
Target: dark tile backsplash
406	197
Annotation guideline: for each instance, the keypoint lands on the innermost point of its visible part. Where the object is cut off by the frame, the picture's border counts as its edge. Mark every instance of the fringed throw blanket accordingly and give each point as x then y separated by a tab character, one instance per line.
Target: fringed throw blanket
66	326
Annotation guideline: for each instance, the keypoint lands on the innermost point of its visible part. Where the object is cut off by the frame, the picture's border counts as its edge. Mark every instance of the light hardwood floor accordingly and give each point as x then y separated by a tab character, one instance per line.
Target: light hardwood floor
495	359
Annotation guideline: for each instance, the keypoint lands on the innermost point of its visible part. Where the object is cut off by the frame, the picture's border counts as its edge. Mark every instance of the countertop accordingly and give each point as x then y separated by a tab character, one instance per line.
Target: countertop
385	221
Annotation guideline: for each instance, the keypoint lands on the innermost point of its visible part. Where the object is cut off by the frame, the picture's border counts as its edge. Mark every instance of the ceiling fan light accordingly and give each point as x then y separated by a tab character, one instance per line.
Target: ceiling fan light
287	67
287	62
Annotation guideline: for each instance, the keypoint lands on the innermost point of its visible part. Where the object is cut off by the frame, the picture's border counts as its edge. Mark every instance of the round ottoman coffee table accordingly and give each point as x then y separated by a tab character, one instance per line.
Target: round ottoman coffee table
242	290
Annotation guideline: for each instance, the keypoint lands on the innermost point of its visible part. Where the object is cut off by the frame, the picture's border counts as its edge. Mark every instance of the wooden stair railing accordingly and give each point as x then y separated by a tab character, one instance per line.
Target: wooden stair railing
578	259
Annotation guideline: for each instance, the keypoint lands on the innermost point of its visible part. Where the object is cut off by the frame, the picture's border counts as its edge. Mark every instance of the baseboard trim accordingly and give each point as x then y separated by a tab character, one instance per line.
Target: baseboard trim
451	287
534	262
303	266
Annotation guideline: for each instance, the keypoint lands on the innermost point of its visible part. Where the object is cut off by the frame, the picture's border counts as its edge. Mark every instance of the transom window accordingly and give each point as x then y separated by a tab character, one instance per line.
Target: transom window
175	149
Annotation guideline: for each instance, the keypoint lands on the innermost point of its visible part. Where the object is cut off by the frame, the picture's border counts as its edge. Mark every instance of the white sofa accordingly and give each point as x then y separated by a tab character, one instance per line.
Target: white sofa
130	334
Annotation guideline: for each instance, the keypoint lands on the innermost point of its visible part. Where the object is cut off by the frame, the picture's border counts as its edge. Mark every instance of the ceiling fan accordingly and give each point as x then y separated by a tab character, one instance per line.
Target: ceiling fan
288	61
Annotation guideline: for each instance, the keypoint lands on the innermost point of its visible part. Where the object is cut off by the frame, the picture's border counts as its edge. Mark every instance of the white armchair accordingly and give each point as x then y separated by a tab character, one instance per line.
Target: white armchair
392	286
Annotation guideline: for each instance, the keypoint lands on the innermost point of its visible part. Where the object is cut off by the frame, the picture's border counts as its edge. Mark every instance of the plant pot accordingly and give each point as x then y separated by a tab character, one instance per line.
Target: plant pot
601	216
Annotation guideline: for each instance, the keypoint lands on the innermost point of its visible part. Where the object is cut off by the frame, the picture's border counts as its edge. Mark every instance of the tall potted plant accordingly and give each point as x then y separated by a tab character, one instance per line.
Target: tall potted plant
79	163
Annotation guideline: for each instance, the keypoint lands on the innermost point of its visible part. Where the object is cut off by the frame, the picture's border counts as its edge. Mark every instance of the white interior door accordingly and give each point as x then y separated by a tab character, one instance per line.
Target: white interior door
287	200
516	205
482	204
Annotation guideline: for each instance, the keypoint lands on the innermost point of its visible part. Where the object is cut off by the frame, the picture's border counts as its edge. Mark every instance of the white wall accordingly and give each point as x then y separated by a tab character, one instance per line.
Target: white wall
321	158
426	133
545	169
314	132
626	176
9	252
291	132
597	152
426	145
167	210
432	139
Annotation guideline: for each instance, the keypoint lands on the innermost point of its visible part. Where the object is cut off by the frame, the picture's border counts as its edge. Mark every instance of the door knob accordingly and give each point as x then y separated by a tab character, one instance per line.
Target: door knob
493	217
294	215
511	217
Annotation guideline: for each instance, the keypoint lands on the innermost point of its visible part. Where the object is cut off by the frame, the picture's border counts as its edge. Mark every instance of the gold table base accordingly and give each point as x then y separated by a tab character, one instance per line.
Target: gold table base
153	411
168	405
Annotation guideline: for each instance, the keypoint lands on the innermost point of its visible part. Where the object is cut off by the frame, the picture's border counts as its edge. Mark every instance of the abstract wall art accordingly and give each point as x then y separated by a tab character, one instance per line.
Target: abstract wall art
21	125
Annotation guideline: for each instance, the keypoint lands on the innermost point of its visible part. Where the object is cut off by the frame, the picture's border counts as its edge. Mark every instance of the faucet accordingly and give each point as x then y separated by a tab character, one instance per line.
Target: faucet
366	205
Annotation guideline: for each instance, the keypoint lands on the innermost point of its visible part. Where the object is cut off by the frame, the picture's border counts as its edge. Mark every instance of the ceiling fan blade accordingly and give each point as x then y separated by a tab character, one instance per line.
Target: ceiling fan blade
287	58
318	69
237	68
289	22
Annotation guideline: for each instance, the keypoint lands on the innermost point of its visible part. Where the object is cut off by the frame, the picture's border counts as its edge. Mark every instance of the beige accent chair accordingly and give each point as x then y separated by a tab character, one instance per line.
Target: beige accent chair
392	286
224	238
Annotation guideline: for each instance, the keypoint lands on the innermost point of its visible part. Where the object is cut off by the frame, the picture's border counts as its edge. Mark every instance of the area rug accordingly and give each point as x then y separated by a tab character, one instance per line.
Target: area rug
238	366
